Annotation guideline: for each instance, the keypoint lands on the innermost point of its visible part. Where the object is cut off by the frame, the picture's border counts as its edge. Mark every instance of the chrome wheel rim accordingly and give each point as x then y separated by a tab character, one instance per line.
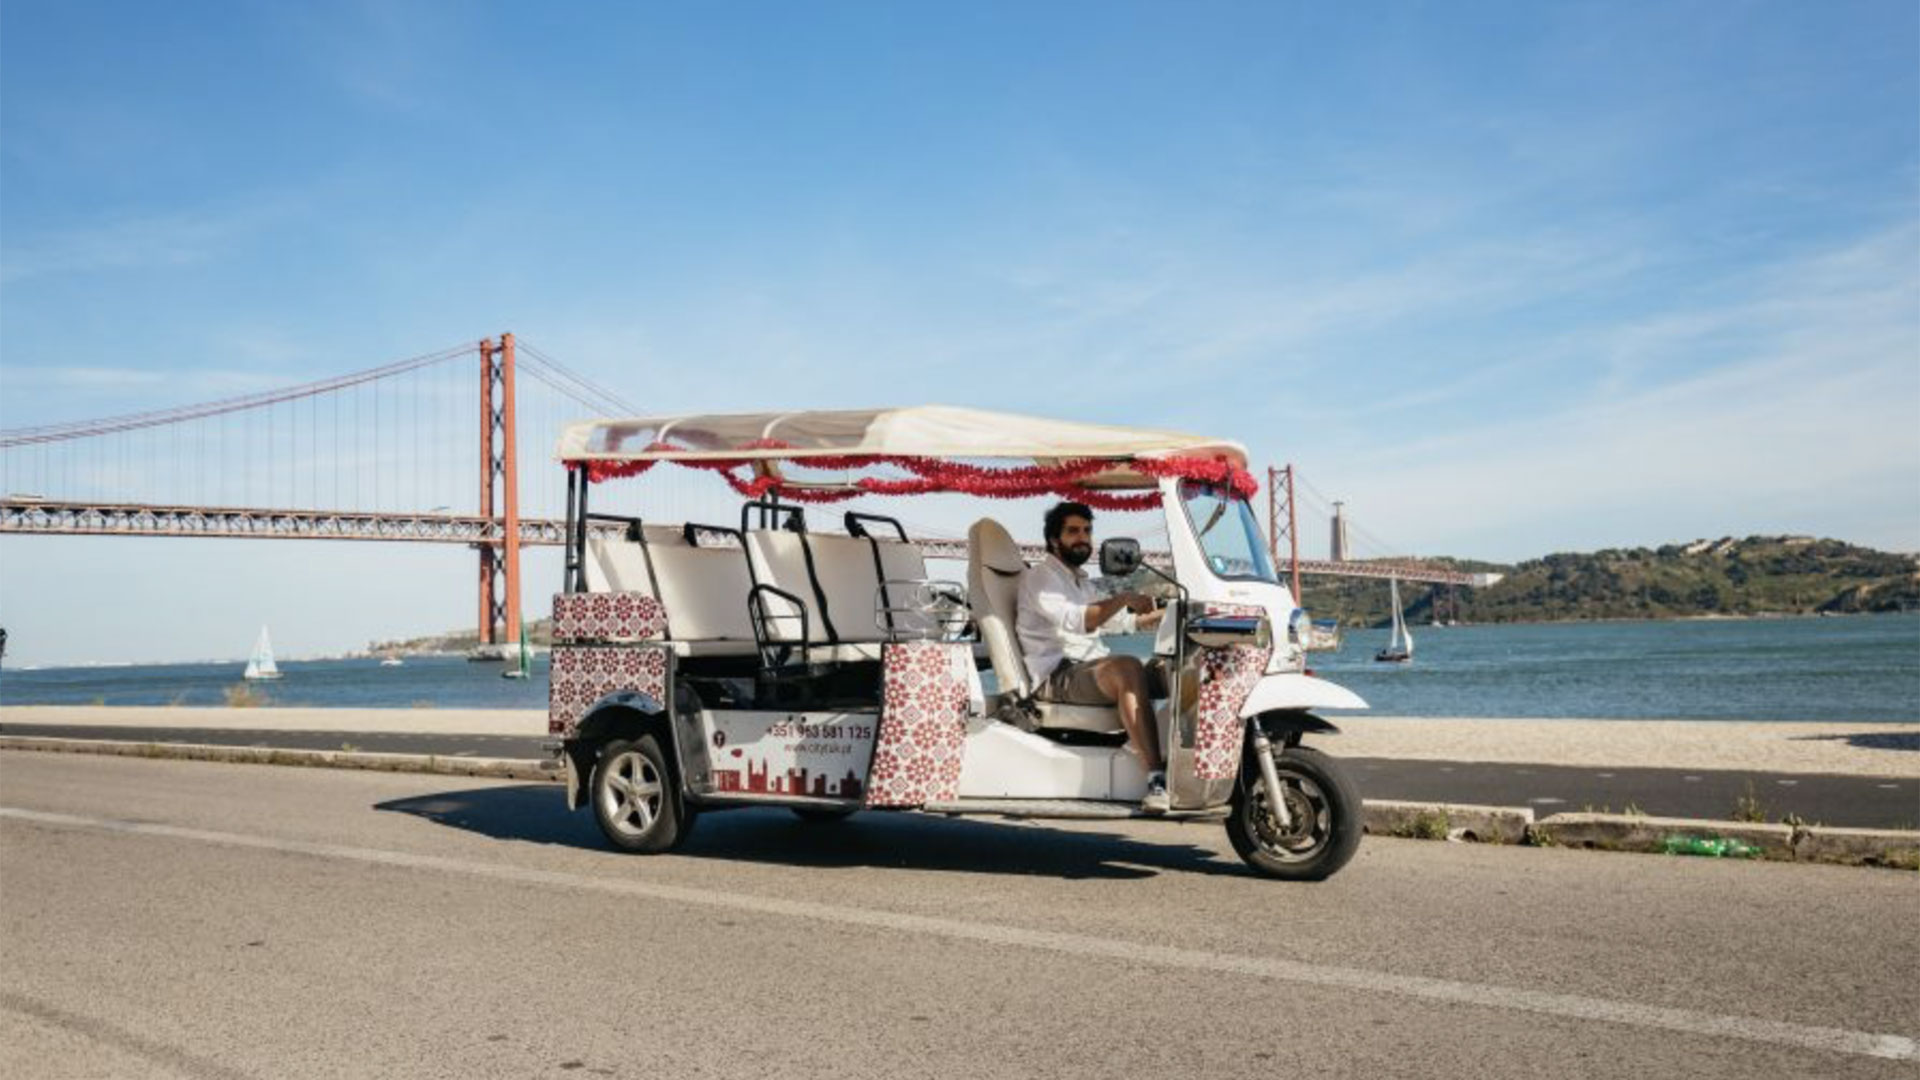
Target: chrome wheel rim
1309	814
630	794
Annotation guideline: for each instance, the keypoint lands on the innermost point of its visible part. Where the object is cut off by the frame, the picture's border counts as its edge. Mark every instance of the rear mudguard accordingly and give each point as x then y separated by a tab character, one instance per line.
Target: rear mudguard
621	714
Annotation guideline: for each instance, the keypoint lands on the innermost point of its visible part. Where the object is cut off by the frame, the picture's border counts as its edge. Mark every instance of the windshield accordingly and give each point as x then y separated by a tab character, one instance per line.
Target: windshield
1228	534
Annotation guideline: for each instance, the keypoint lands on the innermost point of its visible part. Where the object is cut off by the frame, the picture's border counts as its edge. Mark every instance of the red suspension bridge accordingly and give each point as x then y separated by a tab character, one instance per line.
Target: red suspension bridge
426	450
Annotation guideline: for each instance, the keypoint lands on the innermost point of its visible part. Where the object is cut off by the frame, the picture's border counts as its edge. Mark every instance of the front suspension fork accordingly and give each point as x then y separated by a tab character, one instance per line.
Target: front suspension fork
1270	779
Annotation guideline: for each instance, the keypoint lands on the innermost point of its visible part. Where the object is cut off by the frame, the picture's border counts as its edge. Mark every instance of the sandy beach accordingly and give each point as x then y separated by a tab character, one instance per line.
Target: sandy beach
1853	749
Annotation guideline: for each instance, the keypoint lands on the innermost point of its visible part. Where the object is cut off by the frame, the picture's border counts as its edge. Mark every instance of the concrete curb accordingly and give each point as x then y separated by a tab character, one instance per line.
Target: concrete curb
1448	821
1892	848
1636	832
438	764
1896	849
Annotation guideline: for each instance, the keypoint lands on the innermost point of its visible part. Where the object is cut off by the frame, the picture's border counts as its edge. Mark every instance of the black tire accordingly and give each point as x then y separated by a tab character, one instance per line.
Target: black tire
821	815
1325	812
635	798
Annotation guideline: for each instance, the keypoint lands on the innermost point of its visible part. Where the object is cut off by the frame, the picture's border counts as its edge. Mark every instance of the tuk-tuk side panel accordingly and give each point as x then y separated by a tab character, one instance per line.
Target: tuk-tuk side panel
583	674
1227	676
926	695
778	756
602	643
581	618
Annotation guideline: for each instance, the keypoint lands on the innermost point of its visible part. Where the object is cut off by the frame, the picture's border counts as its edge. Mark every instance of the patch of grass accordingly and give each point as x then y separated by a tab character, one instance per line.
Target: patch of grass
1632	809
349	748
1903	859
1749	808
1425	826
242	696
1794	820
1539	837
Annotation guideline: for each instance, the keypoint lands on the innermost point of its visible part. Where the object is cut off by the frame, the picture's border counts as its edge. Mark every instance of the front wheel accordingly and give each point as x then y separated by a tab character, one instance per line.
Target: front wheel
634	799
1323	811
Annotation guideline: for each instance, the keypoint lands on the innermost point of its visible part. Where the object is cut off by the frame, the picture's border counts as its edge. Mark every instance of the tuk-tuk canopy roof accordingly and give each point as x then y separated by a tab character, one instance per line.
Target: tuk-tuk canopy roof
932	444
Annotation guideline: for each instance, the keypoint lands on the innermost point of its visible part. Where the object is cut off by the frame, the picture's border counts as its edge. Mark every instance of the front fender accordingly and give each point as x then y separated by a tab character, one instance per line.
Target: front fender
1292	691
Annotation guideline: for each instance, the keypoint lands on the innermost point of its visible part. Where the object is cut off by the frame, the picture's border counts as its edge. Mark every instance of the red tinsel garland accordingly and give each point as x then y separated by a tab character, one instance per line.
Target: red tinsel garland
934	476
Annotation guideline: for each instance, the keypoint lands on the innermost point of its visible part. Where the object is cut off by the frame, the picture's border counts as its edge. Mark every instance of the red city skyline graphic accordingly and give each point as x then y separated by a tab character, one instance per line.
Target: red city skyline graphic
797	781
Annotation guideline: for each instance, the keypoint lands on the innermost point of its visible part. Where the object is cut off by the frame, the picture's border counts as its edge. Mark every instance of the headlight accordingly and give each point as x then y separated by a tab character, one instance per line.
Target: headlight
1300	627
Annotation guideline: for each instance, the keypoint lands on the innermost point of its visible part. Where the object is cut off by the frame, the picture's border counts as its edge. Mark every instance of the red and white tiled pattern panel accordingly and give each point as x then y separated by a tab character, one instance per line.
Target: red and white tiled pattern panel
583	674
1226	678
923	723
610	616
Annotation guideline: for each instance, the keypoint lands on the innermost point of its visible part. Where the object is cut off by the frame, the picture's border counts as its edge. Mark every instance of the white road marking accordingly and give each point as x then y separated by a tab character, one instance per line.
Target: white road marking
1570	1006
1547	800
1786	783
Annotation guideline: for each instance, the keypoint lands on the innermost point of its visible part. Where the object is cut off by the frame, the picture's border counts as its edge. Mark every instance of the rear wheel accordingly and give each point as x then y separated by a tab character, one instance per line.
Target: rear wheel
634	797
1323	812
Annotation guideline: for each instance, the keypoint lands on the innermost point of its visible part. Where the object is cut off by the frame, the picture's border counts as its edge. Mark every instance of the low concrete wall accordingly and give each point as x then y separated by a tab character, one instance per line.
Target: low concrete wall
493	768
1637	832
1449	821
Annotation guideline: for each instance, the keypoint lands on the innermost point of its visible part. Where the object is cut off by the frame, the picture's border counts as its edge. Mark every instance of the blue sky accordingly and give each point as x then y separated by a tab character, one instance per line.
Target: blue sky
1508	278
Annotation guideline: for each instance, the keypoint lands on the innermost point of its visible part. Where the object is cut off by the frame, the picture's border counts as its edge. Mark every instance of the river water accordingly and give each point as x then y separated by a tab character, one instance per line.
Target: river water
1838	669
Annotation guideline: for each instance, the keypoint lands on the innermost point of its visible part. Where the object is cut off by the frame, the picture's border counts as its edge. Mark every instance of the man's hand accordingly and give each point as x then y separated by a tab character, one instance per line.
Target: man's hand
1138	603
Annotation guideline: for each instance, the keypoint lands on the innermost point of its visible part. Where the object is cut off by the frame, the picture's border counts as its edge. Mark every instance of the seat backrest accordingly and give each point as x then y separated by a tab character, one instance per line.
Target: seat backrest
704	590
851	581
900	564
780	560
994	567
618	564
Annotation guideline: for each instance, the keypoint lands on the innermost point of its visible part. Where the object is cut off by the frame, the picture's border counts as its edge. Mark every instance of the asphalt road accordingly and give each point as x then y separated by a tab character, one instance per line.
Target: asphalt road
163	918
1850	801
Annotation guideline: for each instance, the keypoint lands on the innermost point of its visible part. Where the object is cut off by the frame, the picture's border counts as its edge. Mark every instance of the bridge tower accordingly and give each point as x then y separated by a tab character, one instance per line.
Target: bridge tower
499	468
1291	529
1337	549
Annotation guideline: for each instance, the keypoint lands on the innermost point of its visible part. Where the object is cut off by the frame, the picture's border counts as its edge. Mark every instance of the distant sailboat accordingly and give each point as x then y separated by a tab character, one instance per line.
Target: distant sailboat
521	666
1399	648
260	665
391	660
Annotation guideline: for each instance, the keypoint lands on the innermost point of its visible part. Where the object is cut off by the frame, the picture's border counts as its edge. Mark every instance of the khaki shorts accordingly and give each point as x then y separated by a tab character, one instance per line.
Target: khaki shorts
1073	683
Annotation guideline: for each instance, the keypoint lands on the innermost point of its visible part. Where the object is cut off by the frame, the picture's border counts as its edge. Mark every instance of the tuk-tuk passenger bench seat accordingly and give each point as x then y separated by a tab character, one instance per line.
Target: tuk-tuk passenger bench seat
838	585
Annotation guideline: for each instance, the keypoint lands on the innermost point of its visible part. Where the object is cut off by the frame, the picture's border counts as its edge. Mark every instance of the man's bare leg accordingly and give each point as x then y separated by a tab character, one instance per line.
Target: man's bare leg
1124	679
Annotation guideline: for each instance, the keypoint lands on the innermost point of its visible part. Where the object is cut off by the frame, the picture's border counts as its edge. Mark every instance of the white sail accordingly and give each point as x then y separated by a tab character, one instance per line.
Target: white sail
1400	643
260	665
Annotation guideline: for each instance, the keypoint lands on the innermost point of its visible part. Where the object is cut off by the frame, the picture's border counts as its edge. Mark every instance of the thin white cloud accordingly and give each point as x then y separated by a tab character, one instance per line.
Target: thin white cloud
135	242
1806	417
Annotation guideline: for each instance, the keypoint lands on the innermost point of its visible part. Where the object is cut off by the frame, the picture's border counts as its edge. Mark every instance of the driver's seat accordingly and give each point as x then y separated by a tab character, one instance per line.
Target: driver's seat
994	567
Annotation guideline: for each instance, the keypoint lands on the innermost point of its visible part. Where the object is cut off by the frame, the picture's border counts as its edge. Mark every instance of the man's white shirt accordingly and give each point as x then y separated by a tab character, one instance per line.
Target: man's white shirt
1052	620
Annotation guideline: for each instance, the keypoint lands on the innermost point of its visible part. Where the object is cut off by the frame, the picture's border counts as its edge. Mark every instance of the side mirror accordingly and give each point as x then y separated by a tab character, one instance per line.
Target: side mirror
1119	556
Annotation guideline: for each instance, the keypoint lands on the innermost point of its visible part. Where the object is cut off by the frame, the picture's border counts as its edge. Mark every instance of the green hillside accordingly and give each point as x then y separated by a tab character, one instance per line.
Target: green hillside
1755	576
1761	575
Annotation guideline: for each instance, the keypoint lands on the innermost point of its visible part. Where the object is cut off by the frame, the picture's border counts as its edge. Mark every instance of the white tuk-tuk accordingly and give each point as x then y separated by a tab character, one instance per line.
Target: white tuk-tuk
772	662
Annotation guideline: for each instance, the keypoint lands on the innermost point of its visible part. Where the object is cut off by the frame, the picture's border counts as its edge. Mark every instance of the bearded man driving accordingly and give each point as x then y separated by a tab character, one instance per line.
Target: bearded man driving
1061	616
